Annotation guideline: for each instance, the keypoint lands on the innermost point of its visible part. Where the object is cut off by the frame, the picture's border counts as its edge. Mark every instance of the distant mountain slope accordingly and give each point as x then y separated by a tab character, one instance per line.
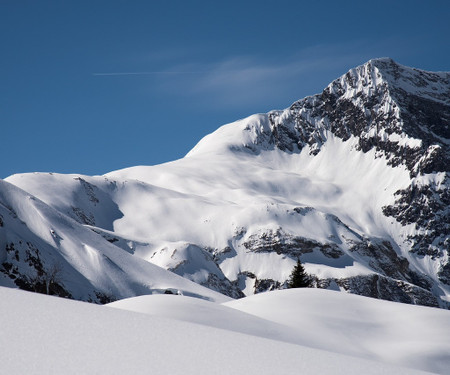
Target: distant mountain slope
46	251
354	181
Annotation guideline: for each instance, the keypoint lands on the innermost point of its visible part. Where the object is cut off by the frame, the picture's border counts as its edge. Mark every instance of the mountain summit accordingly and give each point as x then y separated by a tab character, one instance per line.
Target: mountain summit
353	181
400	111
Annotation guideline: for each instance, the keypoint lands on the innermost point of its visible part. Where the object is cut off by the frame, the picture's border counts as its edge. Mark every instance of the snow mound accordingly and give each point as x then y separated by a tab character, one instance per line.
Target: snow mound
405	335
208	313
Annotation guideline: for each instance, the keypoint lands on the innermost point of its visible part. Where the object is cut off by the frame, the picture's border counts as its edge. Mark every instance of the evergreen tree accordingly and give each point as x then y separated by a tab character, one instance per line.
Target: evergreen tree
299	278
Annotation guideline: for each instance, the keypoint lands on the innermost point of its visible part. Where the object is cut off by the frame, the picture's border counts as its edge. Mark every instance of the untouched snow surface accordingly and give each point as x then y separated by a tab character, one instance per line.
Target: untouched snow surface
404	335
49	335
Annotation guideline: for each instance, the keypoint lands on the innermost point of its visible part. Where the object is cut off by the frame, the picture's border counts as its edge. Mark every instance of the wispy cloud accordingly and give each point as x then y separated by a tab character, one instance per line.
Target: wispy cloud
256	82
244	81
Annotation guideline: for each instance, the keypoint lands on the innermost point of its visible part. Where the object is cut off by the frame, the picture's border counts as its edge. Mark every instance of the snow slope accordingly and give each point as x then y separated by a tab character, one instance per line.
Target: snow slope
404	335
90	267
48	335
203	312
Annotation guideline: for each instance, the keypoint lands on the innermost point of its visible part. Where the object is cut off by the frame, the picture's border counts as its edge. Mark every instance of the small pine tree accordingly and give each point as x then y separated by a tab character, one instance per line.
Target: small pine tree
299	278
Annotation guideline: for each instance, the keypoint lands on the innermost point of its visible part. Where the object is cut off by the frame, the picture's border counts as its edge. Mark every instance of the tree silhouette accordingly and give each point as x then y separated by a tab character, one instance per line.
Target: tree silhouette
47	281
299	278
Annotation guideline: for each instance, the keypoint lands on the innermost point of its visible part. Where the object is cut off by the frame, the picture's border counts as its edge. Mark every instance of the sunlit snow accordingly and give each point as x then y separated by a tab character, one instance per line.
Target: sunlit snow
180	335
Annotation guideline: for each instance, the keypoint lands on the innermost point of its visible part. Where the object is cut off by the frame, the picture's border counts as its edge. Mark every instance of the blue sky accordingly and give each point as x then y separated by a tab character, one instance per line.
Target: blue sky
93	86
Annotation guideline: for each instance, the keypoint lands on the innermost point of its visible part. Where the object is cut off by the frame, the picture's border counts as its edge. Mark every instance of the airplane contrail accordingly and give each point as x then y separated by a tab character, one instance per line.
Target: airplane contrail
140	73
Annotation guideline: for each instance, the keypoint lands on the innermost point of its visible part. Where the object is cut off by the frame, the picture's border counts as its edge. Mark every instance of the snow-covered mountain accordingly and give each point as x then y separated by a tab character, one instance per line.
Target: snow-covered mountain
354	181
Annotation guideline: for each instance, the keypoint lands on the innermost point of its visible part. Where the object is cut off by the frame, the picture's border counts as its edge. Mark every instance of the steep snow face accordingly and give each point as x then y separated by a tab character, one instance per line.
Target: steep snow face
44	250
351	180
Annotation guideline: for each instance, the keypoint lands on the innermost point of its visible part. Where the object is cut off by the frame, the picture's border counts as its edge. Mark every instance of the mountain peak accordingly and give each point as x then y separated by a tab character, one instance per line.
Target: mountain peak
402	112
381	71
383	63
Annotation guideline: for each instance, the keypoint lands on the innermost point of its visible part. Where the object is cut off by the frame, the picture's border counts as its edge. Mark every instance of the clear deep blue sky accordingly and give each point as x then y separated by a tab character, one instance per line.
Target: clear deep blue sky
94	86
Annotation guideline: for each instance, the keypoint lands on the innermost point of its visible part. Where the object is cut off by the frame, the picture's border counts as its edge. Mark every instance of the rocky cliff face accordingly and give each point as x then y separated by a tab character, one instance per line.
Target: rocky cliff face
404	115
354	181
401	112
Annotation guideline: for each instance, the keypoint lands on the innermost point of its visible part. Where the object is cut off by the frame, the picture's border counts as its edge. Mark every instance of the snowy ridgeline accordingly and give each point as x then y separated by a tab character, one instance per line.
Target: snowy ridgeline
307	331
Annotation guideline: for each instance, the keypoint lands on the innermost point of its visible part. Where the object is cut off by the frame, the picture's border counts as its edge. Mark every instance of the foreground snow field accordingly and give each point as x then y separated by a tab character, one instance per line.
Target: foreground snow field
405	335
49	335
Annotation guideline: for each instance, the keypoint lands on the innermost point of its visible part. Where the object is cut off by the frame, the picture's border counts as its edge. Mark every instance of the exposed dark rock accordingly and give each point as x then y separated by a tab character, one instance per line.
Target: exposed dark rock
283	243
103	298
223	286
266	285
382	287
82	217
89	190
32	274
